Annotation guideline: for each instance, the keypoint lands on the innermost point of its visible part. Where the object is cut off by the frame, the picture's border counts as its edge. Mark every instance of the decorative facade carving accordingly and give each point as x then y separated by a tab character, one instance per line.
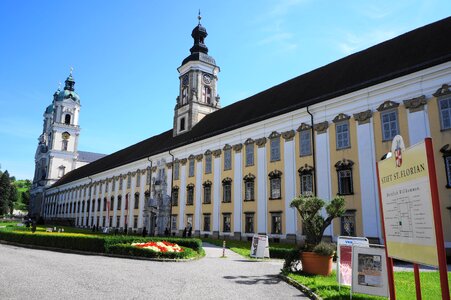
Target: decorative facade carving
249	177
442	91
191	157
237	147
415	104
208	152
275	174
304	126
321	127
274	135
227	180
344	164
288	135
306	169
217	153
341	117
363	117
207	183
183	161
153	169
199	157
169	165
261	142
446	150
387	105
227	147
249	141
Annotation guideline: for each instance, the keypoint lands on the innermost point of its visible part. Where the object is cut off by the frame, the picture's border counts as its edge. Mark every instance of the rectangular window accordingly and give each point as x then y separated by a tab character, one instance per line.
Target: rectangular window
448	170
111	221
190	195
445	113
121	181
228	159
275	188
113	184
135	222
119	202
104	204
249	223
249	191
345	182
305	143
191	168
111	204
306	184
106	186
226	222
138	178
118	221
275	149
207	164
207	194
176	170
136	204
389	121
189	221
174	222
206	222
347	224
342	135
249	155
227	192
175	197
276	223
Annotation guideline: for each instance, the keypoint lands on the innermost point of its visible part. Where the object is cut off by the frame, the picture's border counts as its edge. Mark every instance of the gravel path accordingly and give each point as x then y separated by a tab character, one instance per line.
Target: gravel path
39	274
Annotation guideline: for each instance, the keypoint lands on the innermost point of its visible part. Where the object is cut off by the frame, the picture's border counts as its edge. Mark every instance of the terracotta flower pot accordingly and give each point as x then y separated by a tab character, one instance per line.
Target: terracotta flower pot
316	264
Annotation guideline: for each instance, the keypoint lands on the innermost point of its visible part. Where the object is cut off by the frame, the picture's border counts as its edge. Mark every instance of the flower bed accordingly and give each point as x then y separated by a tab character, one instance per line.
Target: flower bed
159	246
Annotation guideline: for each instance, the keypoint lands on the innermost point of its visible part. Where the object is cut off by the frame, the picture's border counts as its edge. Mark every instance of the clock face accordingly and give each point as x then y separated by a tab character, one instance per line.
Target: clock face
185	80
66	136
206	78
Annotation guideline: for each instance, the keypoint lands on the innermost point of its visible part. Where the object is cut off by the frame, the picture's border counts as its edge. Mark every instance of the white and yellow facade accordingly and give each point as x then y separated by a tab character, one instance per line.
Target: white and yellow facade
241	181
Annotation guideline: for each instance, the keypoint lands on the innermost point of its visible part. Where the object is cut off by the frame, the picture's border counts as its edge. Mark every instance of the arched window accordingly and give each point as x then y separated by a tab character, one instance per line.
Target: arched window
190	194
249	181
136	203
306	180
344	175
207	192
184	95
275	184
67	119
206	95
227	190
175	196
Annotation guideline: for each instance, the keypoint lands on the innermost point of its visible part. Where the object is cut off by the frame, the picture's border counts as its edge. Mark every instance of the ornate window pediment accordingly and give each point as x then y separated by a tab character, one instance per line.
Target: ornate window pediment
303	127
415	104
275	174
274	135
321	127
227	180
208	152
249	177
207	183
288	135
442	91
363	117
306	169
249	141
227	147
237	147
341	117
387	105
190	186
344	164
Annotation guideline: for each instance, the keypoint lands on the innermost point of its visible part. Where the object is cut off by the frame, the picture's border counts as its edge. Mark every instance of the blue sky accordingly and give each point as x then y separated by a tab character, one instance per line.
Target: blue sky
125	56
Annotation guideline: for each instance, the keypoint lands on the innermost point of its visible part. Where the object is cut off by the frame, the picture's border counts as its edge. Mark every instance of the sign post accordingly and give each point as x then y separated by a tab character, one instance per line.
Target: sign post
411	209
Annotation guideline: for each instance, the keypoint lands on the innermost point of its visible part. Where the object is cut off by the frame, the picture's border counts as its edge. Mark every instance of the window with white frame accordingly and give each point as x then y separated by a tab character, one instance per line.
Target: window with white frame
342	135
227	157
190	194
191	167
226	222
175	196
206	95
306	180
344	176
305	148
276	223
227	190
445	112
249	181
207	192
389	124
249	153
274	146
208	162
275	184
249	222
176	170
207	221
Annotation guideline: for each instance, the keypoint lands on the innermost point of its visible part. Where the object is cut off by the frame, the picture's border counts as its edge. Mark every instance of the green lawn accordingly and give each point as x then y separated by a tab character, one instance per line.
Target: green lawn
327	287
244	247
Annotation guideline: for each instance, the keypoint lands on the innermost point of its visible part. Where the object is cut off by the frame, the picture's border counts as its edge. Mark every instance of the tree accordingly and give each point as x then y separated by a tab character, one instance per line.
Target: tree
309	208
26	197
4	192
13	196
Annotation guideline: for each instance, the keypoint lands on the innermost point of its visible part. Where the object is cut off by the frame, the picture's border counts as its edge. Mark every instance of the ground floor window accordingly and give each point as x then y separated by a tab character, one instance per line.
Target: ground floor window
111	222
249	222
276	223
226	222
174	221
118	219
189	221
347	223
135	222
103	221
207	219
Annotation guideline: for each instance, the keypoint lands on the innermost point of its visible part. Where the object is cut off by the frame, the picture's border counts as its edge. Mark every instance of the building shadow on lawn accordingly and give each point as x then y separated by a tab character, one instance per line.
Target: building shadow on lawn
250	280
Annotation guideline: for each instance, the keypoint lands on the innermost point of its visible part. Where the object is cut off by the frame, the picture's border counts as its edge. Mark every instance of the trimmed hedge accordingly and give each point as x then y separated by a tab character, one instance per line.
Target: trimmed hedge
129	250
279	252
101	244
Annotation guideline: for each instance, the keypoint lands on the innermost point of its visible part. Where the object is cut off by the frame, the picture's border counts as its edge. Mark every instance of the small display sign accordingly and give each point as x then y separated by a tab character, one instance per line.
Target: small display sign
260	246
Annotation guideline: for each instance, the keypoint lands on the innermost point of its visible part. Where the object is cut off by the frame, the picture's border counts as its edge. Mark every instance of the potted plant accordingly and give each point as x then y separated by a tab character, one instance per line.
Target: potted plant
317	256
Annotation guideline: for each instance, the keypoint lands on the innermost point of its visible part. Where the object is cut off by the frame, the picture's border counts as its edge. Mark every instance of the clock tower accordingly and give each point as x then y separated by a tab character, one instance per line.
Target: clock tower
198	85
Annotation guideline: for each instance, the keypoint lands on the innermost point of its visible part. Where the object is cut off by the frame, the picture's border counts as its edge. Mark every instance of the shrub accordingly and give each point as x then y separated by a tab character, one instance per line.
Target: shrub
129	250
325	249
279	252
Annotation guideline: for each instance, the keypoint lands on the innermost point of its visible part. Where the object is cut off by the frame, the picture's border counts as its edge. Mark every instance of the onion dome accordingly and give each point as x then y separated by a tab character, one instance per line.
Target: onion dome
199	50
49	109
69	91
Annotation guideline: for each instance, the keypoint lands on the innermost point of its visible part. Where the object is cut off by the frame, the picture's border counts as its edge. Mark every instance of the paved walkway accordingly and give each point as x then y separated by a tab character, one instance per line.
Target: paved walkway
38	274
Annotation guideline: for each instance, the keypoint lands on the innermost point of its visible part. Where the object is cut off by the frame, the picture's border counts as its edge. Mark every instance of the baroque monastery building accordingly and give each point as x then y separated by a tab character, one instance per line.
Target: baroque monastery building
233	171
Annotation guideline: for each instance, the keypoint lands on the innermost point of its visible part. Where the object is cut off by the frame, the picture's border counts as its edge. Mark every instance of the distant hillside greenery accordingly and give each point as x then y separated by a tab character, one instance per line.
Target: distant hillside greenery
14	194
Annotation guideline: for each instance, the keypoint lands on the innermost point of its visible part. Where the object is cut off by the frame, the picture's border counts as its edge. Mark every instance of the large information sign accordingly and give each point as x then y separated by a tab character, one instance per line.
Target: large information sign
344	257
407	205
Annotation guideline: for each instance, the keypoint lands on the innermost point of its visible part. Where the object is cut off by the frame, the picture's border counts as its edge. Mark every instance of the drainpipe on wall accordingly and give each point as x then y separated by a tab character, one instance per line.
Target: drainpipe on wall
313	151
172	187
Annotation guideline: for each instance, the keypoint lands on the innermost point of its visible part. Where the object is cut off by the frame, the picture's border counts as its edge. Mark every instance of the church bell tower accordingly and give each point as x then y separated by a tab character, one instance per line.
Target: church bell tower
198	84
